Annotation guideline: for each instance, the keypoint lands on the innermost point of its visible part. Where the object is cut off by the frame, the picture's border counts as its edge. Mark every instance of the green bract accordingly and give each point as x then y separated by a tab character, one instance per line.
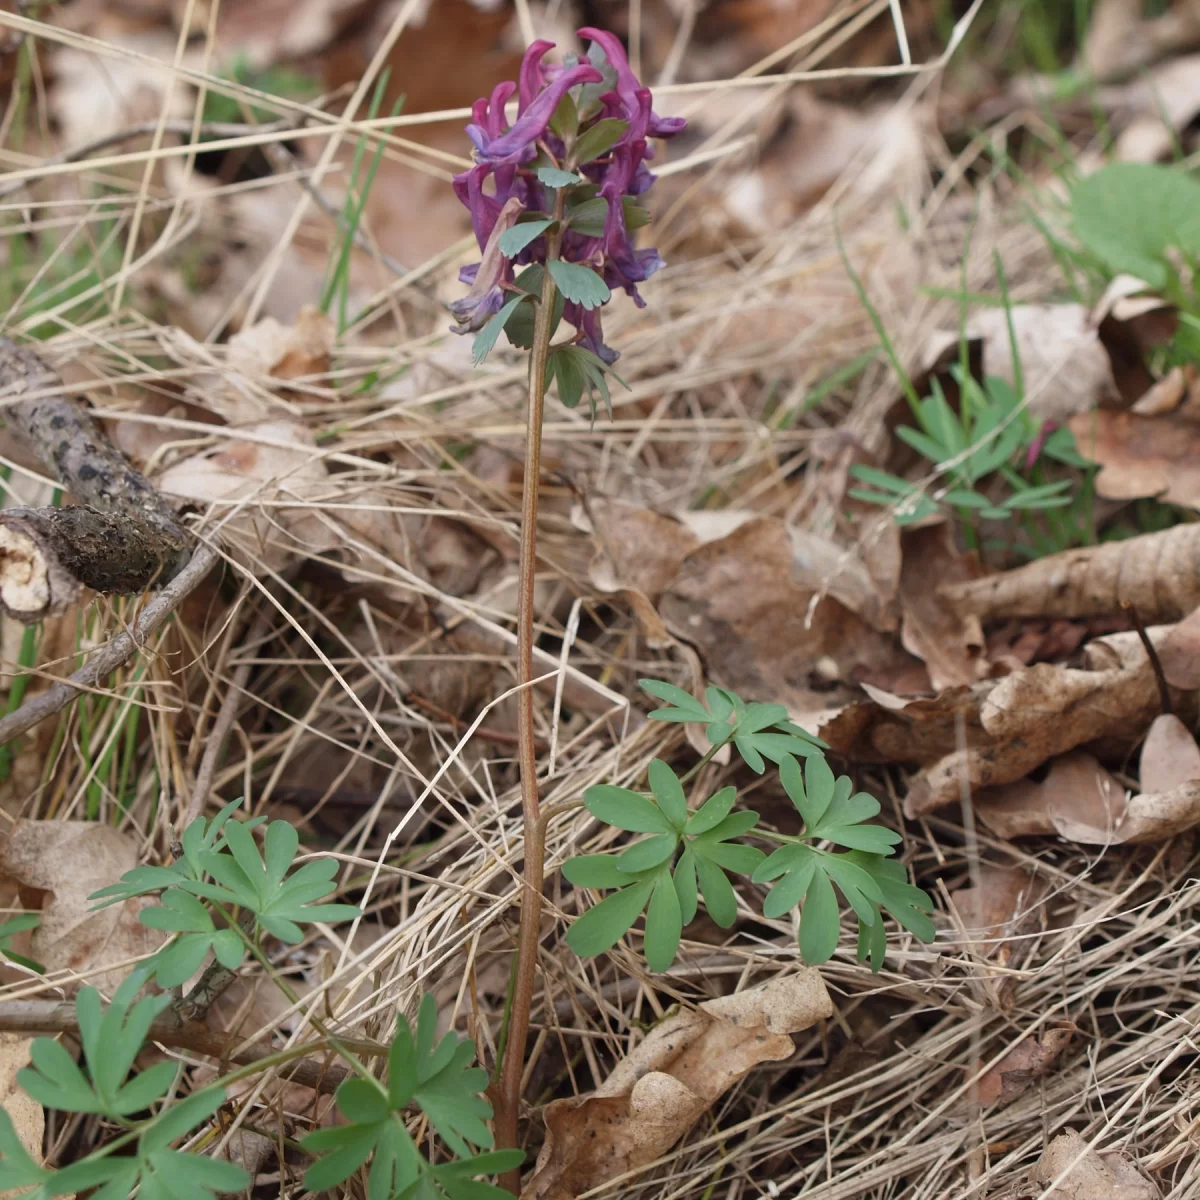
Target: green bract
688	855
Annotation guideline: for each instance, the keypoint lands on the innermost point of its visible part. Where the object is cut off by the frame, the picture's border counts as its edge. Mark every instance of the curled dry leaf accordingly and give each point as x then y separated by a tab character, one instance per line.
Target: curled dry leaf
782	613
280	351
1142	456
998	731
1180	653
654	1096
1064	366
68	860
1082	802
1028	1061
1079	1172
1170	756
270	478
948	642
1157	573
638	553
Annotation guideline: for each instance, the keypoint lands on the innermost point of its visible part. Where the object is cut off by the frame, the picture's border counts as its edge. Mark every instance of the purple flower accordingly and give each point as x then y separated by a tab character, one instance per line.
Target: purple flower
486	296
503	183
519	144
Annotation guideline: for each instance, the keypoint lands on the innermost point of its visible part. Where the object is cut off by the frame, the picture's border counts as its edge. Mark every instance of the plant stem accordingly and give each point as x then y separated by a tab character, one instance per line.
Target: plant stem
508	1094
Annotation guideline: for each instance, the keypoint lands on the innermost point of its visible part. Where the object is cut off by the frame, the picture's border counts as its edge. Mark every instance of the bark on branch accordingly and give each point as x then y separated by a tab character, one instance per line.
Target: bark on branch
123	538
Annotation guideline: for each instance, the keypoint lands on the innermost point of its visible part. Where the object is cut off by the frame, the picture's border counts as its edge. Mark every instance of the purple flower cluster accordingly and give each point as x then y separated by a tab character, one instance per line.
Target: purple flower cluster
605	89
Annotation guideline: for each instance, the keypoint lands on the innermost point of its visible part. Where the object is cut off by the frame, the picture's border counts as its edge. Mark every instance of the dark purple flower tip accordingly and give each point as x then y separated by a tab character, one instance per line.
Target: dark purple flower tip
473	313
486	296
533	74
587	321
518	145
633	95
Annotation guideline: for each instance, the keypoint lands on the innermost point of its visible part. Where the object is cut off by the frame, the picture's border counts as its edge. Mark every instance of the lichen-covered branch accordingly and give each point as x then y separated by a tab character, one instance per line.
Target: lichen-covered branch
122	538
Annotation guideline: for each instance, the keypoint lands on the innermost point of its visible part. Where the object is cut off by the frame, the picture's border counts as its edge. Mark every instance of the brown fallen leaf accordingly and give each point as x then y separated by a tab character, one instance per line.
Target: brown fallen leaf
1065	368
1180	653
997	731
270	478
999	907
654	1096
1023	1065
948	643
1170	756
1142	456
1080	1172
280	351
1081	802
67	861
1157	573
779	613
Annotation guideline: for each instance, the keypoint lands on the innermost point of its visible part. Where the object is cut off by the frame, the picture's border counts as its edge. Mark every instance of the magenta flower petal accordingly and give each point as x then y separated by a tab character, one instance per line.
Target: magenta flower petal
532	73
519	143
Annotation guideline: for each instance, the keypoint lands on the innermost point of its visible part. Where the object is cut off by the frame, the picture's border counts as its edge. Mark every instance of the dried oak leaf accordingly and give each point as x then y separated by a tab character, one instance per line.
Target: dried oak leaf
262	486
949	643
1000	906
1077	1171
997	731
68	860
1024	1064
1170	756
1081	802
1142	456
1157	573
654	1096
780	613
1180	653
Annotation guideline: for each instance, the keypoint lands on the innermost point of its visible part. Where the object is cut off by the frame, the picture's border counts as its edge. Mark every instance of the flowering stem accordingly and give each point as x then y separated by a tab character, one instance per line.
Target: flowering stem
508	1097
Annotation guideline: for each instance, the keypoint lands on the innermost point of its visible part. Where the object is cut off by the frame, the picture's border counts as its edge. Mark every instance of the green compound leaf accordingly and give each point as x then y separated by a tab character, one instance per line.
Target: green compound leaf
259	881
598	871
566	367
555	178
820	924
647	854
683	705
10	929
440	1078
602	927
624	809
719	896
664	924
581	285
668	791
513	241
599	139
485	339
712	812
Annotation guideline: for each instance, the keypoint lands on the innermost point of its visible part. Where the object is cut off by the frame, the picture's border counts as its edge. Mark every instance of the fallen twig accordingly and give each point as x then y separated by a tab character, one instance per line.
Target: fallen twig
123	538
52	1016
114	653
